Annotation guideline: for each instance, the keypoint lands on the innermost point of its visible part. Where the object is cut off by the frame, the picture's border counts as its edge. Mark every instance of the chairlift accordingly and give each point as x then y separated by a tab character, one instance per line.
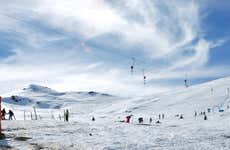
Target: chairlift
144	77
132	66
186	81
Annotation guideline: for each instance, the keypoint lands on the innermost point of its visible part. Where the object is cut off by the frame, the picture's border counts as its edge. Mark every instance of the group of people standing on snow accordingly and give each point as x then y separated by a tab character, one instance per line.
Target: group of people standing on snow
203	113
10	113
180	116
141	119
162	116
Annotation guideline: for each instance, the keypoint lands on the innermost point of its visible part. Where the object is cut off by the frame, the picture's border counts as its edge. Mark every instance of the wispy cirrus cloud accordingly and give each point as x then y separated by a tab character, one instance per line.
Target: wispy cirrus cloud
90	39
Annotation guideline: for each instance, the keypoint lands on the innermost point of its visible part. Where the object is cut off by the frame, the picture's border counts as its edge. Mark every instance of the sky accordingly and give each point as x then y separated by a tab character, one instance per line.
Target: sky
89	45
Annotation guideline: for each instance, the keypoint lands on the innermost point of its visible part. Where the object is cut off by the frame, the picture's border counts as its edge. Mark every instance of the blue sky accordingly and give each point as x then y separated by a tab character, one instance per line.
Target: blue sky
89	45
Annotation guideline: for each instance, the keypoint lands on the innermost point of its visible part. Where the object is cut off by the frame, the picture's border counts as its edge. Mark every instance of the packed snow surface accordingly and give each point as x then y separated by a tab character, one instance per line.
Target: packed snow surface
109	131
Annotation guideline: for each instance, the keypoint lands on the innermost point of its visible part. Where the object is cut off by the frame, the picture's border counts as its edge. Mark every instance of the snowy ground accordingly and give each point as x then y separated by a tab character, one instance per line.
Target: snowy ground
109	134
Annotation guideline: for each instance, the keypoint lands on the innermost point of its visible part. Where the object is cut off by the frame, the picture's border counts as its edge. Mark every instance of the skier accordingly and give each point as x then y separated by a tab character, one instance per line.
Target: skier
150	120
128	119
158	122
93	119
195	114
140	120
159	116
3	114
67	115
11	115
205	117
163	116
181	117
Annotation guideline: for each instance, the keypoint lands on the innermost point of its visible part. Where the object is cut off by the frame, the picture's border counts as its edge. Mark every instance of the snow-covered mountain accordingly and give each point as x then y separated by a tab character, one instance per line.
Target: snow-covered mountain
43	97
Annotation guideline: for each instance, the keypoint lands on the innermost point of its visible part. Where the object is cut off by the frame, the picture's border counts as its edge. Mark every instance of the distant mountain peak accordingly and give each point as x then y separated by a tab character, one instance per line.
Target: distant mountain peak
39	88
46	90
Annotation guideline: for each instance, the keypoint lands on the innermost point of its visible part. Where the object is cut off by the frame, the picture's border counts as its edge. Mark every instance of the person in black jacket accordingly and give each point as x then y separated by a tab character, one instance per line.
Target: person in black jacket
3	114
67	115
11	115
205	117
93	119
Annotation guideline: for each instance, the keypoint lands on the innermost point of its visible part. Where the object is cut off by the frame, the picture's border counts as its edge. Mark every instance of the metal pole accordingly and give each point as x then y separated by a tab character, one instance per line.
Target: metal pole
0	116
24	115
36	118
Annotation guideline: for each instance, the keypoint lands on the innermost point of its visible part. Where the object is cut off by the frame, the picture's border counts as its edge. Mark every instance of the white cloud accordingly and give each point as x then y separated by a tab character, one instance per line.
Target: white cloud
165	28
162	30
89	17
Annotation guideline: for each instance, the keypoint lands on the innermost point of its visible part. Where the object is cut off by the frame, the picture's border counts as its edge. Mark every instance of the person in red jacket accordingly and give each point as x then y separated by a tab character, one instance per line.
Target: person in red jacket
128	118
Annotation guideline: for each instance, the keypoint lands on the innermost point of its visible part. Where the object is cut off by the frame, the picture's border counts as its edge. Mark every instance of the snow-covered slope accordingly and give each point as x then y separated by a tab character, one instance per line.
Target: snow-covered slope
109	132
213	95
